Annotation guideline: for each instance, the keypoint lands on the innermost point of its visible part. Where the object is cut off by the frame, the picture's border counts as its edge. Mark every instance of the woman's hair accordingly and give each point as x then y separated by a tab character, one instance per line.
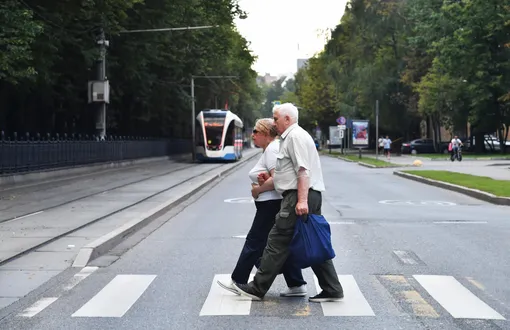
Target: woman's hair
266	126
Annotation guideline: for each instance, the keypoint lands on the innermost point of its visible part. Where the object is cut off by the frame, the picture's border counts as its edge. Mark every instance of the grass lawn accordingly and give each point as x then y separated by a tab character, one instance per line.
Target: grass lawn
496	187
366	160
464	155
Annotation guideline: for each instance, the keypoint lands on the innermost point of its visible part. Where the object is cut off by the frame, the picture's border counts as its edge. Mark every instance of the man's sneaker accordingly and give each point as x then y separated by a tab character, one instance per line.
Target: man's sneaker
228	286
325	296
247	290
297	291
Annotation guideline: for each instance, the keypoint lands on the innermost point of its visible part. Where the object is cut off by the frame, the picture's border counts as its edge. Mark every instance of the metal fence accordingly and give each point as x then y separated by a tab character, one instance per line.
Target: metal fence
37	153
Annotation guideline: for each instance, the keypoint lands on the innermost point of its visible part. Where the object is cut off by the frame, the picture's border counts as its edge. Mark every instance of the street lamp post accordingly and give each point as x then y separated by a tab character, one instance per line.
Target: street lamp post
193	119
376	129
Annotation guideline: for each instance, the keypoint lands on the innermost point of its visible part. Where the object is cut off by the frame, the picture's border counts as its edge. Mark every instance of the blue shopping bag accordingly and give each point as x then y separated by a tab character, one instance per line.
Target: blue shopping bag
311	244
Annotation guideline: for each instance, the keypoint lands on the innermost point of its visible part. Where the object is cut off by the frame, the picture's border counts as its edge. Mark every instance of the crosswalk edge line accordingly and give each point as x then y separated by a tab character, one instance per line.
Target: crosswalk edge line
354	303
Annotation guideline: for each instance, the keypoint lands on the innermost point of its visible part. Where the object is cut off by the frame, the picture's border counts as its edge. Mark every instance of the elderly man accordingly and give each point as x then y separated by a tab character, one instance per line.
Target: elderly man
298	178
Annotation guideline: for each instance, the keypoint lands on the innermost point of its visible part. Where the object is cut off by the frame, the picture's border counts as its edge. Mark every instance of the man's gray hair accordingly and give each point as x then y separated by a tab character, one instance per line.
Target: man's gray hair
287	109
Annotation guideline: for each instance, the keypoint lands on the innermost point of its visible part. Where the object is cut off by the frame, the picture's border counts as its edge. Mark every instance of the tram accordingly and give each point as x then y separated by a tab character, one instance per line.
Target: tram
219	136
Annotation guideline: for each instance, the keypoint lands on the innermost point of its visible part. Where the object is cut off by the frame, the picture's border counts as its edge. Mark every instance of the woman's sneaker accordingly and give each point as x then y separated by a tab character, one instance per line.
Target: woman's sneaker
297	291
228	286
325	296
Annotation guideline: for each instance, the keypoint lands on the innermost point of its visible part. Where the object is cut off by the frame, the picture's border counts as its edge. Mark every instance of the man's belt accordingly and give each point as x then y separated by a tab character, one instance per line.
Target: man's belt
286	192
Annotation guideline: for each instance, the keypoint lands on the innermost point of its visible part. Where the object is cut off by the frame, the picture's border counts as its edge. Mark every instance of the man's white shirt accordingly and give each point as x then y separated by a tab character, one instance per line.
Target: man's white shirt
297	149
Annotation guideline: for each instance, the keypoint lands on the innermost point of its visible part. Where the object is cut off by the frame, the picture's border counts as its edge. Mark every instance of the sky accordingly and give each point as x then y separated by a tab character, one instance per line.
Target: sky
281	31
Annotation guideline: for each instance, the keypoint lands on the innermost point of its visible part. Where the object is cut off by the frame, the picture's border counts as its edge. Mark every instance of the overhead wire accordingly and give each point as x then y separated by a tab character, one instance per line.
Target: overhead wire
47	20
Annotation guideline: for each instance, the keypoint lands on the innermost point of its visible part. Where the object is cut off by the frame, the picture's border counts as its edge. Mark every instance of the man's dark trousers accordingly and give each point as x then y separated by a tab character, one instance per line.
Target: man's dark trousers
255	243
277	249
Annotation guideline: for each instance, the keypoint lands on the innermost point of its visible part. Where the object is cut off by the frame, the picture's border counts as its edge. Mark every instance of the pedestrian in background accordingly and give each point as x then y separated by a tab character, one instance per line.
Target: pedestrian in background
387	147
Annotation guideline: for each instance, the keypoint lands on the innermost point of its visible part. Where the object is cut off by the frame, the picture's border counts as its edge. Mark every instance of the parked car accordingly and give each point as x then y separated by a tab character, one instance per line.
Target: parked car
422	146
491	143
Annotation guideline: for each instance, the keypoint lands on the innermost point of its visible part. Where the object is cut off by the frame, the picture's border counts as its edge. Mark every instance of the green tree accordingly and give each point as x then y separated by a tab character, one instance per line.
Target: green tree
470	71
149	72
16	38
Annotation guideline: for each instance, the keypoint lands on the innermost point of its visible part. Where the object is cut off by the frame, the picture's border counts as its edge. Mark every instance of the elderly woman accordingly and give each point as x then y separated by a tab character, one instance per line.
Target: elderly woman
267	202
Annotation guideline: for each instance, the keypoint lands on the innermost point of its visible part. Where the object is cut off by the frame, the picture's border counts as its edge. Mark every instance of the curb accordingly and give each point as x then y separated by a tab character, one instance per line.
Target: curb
478	194
347	160
57	173
464	158
368	165
107	242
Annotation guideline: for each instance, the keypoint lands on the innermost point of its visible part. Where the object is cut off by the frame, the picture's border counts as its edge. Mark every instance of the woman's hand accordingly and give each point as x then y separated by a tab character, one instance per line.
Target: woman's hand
255	191
262	177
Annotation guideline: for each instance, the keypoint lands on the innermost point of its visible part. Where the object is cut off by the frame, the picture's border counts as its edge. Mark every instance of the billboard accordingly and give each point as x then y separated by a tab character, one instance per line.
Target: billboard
335	137
359	133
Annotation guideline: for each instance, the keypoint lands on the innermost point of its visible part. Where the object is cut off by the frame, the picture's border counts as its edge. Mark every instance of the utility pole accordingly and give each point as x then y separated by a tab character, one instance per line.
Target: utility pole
99	89
376	129
101	76
193	119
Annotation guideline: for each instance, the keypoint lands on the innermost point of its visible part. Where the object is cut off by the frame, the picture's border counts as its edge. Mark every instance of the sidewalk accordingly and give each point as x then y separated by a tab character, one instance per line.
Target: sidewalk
496	169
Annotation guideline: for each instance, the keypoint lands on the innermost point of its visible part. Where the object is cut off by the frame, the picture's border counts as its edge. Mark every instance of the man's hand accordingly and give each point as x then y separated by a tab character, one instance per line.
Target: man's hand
302	208
262	177
255	191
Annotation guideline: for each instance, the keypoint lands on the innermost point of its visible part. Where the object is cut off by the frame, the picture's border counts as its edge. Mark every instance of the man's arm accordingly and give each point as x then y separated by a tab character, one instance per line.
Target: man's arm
268	184
303	186
300	159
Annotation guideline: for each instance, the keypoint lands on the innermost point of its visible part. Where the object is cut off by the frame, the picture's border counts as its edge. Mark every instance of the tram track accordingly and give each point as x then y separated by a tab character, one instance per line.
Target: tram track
44	209
109	214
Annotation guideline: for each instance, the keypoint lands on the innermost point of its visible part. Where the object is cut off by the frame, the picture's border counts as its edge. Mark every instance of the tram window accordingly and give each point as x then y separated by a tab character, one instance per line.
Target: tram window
199	135
213	135
229	137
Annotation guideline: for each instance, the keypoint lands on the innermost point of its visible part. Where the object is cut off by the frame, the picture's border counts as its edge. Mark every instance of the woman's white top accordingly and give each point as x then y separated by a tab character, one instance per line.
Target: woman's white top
266	163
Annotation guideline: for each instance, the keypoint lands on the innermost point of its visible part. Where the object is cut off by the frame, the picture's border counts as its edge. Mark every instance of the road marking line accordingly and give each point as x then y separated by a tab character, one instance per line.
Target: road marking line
43	303
240	236
460	222
408	298
117	297
222	302
38	307
78	277
354	303
455	298
22	217
341	223
405	257
418	304
476	283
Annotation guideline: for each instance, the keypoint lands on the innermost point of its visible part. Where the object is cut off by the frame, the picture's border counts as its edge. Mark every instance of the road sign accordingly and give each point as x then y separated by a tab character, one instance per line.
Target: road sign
277	102
342	133
341	120
342	127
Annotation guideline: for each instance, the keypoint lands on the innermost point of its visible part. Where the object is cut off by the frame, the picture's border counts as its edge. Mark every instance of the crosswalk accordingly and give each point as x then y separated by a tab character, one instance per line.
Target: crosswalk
429	296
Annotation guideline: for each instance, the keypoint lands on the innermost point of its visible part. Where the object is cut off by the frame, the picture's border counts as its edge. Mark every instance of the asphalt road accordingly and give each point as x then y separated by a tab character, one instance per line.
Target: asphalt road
410	256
